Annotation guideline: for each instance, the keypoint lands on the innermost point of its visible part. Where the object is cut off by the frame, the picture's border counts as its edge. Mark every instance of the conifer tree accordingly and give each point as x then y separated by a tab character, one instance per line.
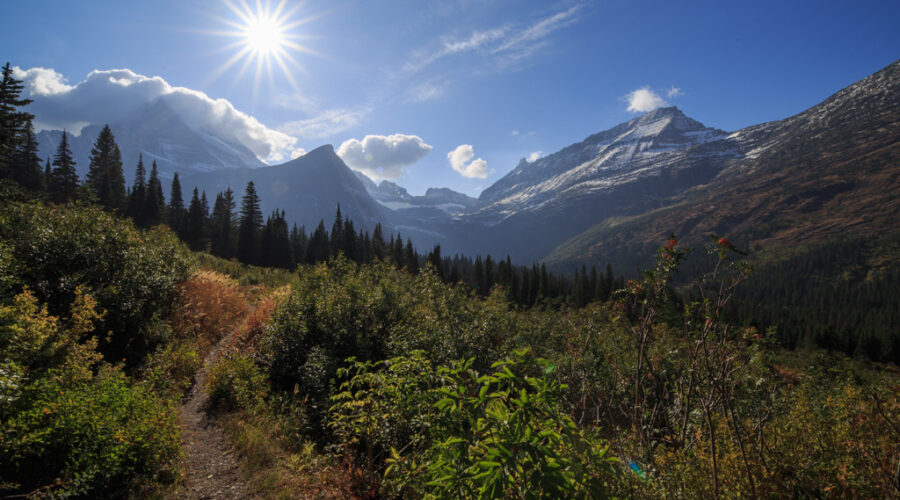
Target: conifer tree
298	243
154	201
175	212
13	122
378	244
63	178
318	248
222	225
26	167
195	222
137	198
250	222
275	243
337	233
411	259
47	173
105	178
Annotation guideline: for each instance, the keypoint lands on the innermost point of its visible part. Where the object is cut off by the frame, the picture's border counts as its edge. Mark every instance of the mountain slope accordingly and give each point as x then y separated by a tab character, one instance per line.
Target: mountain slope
830	172
626	170
160	135
308	188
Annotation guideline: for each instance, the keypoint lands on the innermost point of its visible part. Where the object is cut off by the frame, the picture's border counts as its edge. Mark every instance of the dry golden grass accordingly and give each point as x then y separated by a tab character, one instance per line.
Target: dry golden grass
207	306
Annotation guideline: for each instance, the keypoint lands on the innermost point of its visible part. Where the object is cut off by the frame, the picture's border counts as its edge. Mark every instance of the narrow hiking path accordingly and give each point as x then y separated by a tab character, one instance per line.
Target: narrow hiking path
211	468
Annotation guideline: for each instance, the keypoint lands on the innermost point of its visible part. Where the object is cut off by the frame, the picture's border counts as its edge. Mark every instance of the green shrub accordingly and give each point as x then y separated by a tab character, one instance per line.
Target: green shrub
236	382
458	434
131	273
170	369
94	438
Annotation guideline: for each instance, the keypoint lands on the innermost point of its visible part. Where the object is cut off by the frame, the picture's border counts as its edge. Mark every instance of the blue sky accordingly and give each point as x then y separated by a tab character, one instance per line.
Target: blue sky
492	81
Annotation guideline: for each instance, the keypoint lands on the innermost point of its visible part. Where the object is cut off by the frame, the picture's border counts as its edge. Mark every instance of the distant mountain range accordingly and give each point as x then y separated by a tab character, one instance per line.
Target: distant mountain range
613	197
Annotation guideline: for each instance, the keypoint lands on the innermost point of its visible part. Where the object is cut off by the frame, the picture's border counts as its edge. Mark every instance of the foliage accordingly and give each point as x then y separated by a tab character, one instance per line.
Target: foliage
130	273
457	434
65	429
236	381
90	438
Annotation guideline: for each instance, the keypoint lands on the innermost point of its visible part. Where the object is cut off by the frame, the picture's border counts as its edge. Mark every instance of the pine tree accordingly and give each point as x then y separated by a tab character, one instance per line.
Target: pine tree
337	240
195	222
318	250
26	167
13	122
105	178
137	198
63	178
47	174
275	243
175	212
298	243
154	202
222	225
250	222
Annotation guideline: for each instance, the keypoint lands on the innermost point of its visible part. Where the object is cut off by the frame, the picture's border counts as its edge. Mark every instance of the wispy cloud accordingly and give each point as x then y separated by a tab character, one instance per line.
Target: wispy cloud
524	43
326	124
534	156
674	92
500	46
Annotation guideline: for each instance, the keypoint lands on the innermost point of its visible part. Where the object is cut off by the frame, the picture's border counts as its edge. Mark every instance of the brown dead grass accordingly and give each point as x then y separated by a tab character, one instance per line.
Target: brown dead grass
207	306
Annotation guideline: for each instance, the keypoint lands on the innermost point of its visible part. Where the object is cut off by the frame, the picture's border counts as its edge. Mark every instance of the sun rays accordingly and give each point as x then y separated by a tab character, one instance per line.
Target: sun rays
265	40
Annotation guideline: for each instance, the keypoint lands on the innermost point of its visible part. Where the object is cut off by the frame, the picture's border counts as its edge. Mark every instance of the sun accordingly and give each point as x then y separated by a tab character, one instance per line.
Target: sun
266	37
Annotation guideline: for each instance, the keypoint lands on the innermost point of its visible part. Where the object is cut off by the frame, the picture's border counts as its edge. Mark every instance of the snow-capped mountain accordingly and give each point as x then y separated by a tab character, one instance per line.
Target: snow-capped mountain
396	197
160	135
661	143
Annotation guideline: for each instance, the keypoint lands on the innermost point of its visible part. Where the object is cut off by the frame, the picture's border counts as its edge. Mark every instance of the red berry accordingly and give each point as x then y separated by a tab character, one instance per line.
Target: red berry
725	243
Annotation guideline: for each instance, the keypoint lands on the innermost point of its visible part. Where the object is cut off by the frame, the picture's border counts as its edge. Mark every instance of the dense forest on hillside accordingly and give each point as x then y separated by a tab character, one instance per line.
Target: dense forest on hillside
368	371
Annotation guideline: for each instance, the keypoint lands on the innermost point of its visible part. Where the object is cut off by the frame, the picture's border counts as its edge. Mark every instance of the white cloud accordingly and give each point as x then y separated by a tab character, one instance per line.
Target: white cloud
534	156
383	157
112	95
326	124
461	161
644	99
297	153
514	133
673	92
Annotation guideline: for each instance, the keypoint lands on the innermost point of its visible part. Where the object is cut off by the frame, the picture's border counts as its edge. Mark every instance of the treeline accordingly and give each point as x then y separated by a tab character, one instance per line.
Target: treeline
245	234
831	296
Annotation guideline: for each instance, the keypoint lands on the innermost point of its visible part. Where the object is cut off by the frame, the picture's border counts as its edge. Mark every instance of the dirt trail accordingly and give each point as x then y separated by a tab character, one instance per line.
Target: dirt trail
211	468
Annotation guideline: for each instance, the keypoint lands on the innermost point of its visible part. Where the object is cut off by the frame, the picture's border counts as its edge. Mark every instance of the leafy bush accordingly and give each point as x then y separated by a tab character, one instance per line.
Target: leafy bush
130	273
236	382
92	438
464	435
170	369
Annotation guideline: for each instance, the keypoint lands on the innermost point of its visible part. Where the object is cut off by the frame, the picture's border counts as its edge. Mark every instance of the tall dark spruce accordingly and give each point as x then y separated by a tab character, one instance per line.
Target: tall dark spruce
13	121
63	185
248	230
154	202
105	178
137	198
175	212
